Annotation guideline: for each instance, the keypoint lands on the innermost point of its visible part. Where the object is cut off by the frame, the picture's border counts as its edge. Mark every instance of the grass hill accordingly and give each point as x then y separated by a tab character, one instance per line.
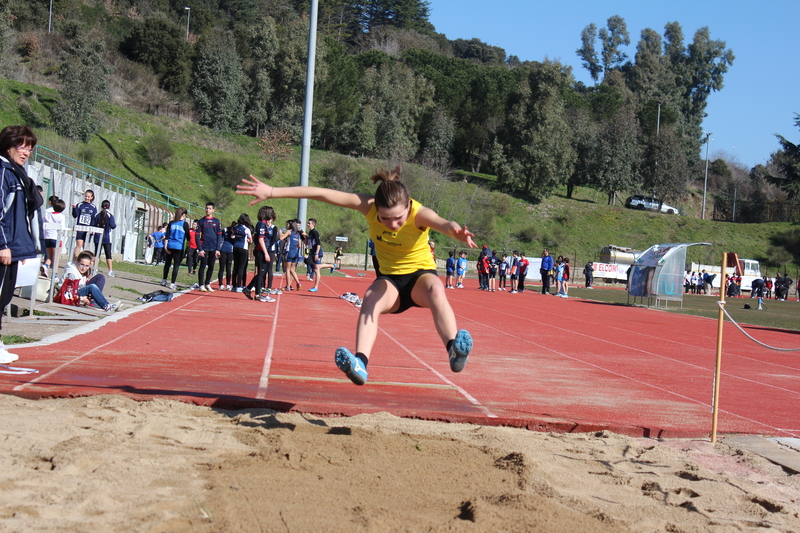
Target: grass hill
578	227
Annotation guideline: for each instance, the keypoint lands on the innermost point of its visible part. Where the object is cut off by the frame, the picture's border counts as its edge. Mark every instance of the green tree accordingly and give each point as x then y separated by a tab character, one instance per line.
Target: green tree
614	35
336	98
161	44
394	99
588	53
83	75
404	14
289	76
664	169
263	42
611	38
788	162
617	155
537	151
218	85
439	142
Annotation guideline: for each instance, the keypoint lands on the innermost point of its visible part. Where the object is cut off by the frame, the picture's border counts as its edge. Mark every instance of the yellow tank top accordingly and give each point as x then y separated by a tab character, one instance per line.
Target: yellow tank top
404	251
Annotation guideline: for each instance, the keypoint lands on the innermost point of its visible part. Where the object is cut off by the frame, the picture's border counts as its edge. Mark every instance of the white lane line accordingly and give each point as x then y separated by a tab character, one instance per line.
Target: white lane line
667	391
96	348
441	376
263	382
654	354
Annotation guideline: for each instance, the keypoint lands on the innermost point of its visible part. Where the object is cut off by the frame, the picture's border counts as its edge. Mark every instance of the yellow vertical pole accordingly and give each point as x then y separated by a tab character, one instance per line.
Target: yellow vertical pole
717	369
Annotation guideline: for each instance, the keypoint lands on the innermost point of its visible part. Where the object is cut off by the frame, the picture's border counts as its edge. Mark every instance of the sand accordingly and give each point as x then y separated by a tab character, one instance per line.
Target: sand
108	463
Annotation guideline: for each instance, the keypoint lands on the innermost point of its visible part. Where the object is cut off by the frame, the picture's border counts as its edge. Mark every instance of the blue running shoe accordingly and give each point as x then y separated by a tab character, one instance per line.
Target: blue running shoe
351	366
459	350
313	289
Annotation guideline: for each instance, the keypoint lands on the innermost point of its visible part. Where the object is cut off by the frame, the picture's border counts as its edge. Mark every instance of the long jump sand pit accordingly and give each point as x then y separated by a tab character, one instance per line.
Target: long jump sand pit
109	463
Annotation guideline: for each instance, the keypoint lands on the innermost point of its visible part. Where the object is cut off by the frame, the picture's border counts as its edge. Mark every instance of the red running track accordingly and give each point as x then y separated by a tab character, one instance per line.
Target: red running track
539	362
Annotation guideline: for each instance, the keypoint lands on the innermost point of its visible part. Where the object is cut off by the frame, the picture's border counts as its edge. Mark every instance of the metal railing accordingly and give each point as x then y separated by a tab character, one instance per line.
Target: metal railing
99	177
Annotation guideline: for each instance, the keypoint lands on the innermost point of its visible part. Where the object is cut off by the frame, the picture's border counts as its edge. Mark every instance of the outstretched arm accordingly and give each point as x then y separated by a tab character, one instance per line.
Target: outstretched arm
262	192
427	218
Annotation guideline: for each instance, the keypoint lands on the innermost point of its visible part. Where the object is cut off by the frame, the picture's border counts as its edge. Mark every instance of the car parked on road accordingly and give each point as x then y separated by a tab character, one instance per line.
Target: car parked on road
650	203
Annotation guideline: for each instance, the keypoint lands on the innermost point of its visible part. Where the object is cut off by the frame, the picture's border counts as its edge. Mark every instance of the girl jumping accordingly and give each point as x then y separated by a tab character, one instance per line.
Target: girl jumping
399	226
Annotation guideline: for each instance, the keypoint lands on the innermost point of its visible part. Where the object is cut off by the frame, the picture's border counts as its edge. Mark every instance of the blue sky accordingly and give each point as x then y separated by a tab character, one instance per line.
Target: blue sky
762	88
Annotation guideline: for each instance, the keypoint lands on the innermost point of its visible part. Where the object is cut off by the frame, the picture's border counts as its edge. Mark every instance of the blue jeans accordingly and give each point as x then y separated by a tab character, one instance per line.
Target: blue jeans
96	294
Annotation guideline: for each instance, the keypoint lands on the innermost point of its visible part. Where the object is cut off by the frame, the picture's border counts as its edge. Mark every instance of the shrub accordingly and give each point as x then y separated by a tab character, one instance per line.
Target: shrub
528	234
158	151
227	169
343	173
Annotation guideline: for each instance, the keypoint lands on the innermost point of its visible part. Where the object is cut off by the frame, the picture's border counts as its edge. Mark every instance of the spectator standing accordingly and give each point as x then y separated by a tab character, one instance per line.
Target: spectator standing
84	214
20	225
158	245
209	244
461	269
494	261
226	259
544	271
191	252
105	220
450	270
502	271
53	215
264	237
513	269
767	287
565	281
242	238
522	272
337	258
176	237
588	274
316	253
787	282
372	254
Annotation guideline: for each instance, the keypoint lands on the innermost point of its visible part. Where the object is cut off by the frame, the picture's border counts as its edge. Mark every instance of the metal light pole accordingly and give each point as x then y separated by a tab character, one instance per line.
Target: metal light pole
50	17
308	106
188	15
705	183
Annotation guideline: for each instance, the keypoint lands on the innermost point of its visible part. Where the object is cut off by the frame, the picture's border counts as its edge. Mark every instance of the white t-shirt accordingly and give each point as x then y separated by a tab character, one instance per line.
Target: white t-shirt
51	217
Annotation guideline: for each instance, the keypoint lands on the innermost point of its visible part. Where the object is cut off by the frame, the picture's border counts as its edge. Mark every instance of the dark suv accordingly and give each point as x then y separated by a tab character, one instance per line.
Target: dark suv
650	203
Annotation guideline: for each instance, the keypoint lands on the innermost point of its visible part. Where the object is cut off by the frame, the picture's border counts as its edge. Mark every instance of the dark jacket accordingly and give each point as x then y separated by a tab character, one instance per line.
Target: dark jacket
20	220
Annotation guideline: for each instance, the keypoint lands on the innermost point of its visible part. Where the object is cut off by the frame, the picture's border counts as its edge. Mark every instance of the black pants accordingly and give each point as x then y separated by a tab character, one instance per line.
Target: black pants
263	267
8	278
207	260
239	267
174	256
545	280
191	259
521	282
225	262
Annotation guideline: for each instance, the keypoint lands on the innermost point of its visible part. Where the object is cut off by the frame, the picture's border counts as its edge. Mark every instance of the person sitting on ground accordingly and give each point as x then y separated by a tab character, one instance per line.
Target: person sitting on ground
400	226
90	290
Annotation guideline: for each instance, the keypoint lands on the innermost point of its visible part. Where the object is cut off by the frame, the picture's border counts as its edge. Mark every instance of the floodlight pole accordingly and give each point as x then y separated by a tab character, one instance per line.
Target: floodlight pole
188	15
308	107
705	182
50	17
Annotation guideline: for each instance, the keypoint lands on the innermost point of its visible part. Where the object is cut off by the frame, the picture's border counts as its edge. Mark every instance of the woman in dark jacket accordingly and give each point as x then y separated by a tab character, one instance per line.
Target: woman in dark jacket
20	224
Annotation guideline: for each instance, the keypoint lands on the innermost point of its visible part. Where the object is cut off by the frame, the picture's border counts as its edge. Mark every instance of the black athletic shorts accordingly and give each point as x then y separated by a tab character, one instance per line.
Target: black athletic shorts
404	283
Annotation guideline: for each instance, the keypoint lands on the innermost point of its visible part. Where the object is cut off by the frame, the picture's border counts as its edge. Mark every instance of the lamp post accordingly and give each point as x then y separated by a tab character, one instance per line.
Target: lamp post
188	14
50	17
705	182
